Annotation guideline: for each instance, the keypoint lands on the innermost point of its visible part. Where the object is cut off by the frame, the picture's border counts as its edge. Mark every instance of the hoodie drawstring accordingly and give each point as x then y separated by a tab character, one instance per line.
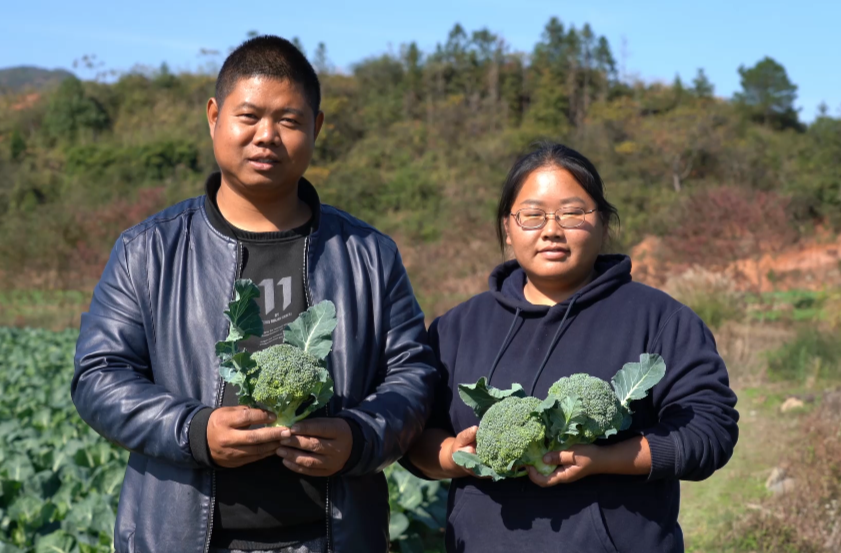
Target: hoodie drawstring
505	343
552	344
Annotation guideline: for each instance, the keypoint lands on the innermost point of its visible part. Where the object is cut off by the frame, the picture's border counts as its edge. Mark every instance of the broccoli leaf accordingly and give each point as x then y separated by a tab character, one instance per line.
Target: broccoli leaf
226	350
236	370
471	461
634	380
480	397
243	312
312	331
325	394
563	419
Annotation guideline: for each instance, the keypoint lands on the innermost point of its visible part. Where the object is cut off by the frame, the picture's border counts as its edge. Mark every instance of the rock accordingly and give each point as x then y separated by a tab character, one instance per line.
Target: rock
791	404
779	482
832	403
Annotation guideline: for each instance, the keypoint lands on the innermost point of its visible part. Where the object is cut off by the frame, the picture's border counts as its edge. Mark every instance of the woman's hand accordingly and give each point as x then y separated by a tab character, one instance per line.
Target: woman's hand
573	464
463	441
633	456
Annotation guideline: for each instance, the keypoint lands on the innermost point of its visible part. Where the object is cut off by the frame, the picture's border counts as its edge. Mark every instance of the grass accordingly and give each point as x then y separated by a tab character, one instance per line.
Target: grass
710	508
51	309
814	354
789	306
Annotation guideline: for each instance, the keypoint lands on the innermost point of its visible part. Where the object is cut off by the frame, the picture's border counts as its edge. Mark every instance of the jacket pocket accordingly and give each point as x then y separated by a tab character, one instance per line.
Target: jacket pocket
482	521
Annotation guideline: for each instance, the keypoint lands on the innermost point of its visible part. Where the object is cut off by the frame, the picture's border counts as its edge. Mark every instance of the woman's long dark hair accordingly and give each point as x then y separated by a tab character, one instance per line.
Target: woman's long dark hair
552	154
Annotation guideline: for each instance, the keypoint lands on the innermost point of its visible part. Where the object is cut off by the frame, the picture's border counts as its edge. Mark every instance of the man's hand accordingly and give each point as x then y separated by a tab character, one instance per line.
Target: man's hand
317	447
230	441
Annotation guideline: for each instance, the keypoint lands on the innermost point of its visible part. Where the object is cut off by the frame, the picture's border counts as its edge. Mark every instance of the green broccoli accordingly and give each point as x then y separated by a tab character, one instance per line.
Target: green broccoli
598	414
290	383
511	436
288	379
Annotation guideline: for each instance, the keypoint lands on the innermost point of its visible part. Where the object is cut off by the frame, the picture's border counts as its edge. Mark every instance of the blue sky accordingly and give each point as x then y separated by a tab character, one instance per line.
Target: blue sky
654	40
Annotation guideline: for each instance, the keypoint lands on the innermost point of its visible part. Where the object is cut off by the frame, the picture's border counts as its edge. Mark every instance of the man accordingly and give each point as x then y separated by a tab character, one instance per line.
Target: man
204	473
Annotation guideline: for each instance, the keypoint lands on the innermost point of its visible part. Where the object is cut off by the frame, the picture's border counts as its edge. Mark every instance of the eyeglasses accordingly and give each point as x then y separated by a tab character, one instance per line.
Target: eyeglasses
533	218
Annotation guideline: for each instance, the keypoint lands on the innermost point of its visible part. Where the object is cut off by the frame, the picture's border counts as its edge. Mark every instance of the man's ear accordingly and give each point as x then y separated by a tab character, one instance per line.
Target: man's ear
319	121
212	115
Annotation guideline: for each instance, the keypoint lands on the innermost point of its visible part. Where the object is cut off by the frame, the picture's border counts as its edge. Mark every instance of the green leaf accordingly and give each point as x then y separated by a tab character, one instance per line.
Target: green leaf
564	417
243	312
480	397
412	544
57	542
397	525
312	331
634	380
472	462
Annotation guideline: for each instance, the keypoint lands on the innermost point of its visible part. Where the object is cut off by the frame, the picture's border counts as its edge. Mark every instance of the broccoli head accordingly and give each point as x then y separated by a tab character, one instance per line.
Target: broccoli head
511	436
600	415
291	383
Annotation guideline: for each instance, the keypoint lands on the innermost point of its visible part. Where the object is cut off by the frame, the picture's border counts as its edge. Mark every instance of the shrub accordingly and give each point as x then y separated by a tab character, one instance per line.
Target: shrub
712	296
812	354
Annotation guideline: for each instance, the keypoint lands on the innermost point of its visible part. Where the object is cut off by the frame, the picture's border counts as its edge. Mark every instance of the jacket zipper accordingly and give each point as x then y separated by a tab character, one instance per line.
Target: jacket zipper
327	517
219	395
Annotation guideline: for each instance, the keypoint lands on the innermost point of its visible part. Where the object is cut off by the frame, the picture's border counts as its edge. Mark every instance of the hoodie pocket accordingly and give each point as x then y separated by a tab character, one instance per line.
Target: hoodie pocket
547	522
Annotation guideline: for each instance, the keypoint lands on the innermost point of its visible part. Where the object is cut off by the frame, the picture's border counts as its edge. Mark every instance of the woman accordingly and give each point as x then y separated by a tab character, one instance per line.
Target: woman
558	308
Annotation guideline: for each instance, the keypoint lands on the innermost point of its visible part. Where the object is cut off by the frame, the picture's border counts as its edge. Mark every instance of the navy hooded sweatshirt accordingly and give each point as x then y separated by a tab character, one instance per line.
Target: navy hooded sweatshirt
689	418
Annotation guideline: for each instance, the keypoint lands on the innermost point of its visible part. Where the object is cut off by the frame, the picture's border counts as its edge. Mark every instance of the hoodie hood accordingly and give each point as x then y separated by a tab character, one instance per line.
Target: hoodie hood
507	280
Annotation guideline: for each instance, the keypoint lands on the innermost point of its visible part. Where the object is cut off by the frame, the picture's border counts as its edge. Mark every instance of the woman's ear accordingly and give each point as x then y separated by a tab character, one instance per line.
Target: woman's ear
505	225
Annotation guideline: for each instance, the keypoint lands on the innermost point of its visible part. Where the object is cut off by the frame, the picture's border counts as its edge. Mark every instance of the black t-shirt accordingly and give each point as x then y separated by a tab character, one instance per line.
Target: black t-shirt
264	505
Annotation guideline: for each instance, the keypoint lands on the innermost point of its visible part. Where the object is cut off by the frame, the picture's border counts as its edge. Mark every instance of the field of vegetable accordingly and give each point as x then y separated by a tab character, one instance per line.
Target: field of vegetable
60	481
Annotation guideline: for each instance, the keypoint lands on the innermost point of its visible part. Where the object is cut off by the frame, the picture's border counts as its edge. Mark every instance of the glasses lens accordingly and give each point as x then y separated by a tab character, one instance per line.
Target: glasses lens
572	218
531	218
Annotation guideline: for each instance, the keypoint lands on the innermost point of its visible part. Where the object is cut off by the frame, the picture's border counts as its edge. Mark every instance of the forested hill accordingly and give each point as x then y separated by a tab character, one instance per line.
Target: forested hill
418	143
15	79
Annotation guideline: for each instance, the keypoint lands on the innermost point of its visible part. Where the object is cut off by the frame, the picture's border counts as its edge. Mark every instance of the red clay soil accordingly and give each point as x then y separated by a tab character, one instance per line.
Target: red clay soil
26	101
812	264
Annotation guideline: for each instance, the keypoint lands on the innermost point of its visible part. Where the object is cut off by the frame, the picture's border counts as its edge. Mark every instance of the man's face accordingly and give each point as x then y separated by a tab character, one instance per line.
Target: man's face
264	135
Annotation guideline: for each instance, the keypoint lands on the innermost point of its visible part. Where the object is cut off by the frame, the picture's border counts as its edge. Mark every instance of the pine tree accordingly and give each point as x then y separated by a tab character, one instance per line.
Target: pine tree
767	94
702	87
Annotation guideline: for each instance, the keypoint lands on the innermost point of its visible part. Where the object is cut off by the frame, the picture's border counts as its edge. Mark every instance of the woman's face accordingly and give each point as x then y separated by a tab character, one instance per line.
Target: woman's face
554	257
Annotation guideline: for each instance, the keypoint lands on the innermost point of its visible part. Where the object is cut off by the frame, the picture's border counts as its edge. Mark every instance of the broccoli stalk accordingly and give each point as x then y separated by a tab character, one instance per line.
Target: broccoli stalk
534	457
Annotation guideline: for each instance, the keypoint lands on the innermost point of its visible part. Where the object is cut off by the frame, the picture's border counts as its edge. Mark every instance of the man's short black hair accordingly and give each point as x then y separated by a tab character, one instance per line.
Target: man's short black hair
273	57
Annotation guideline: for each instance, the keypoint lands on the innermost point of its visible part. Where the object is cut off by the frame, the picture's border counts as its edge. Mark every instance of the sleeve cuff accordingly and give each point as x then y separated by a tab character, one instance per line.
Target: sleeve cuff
198	438
663	449
356	448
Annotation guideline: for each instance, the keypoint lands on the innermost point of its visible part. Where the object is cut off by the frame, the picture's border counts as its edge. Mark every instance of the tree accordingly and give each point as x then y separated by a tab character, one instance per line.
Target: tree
768	95
17	145
296	42
71	111
320	62
731	226
702	87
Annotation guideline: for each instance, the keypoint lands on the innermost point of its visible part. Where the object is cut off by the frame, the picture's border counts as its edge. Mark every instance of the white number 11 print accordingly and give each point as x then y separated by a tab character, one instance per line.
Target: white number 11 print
285	285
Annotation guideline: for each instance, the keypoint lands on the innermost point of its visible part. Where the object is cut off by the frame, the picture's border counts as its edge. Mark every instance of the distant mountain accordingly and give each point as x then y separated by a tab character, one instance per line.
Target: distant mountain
15	79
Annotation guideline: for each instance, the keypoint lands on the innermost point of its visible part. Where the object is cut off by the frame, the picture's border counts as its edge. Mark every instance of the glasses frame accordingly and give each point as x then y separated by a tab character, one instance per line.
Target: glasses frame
554	215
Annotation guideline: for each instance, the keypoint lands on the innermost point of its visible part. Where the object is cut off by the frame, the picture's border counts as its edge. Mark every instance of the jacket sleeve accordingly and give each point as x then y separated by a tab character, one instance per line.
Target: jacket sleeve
394	415
697	428
113	386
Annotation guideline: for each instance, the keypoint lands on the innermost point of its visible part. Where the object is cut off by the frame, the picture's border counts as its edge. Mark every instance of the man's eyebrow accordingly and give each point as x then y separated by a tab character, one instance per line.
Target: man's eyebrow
246	105
292	110
287	109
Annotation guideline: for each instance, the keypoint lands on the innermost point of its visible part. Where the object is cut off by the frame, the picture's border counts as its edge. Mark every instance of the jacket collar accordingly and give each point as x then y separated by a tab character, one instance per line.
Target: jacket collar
306	192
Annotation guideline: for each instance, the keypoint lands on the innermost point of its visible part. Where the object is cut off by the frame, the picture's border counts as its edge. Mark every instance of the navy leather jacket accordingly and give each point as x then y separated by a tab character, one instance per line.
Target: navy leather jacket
145	365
